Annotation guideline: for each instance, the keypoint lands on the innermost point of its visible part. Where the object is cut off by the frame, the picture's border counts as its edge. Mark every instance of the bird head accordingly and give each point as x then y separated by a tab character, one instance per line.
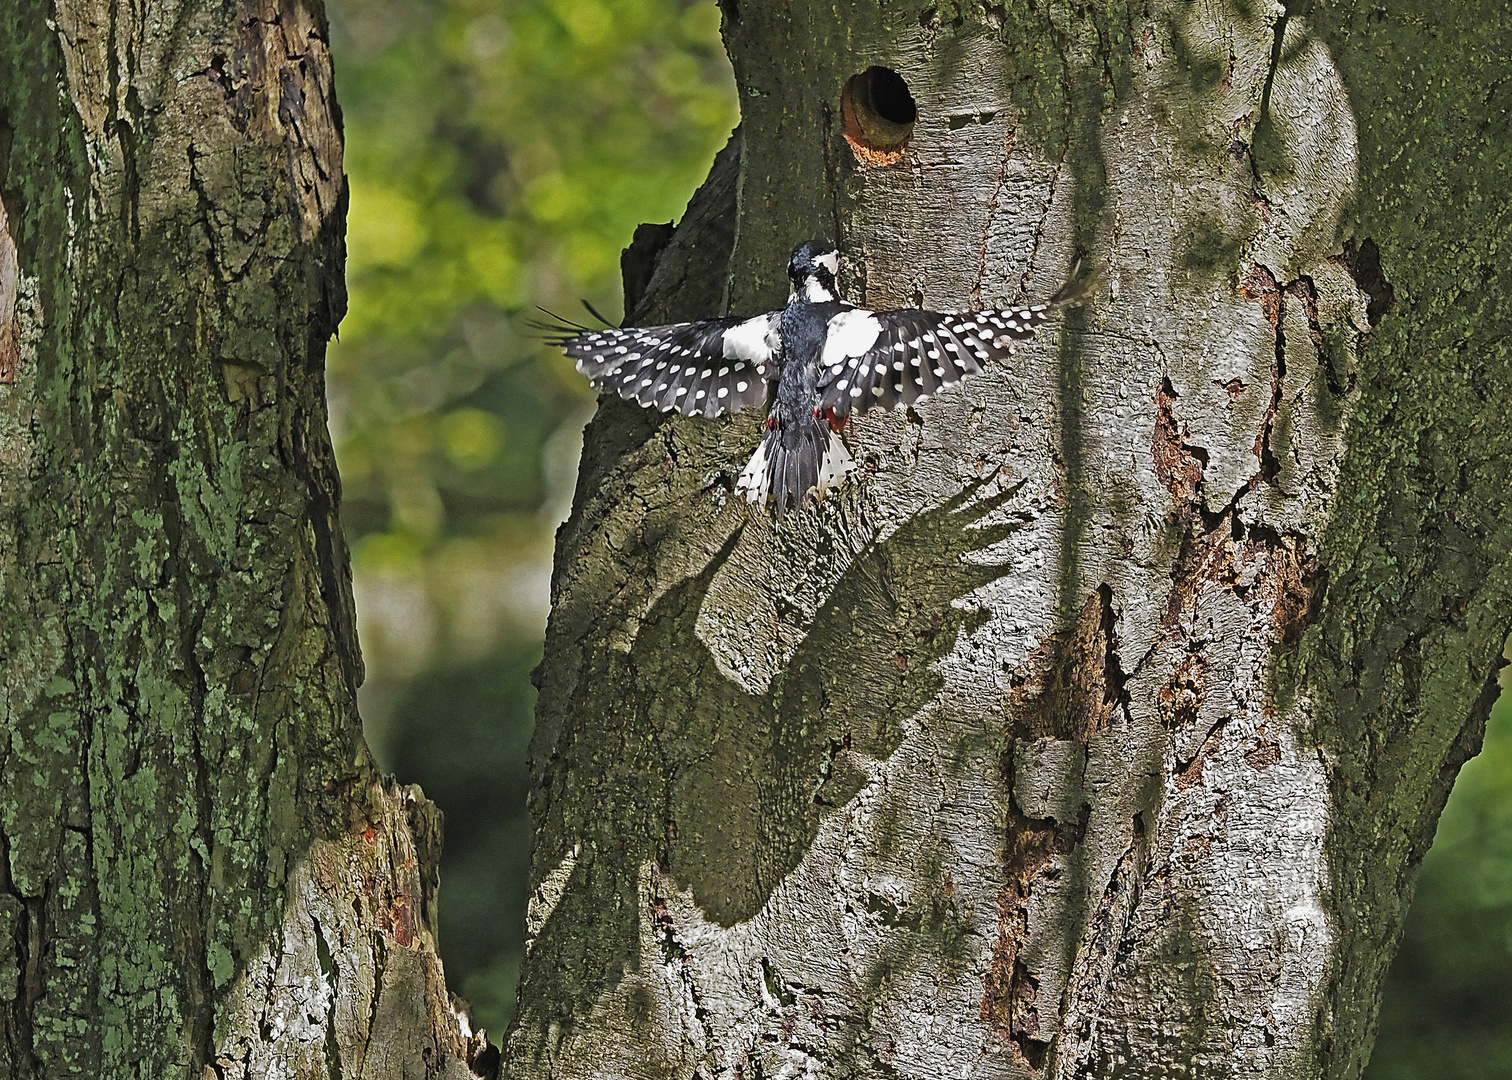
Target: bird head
812	270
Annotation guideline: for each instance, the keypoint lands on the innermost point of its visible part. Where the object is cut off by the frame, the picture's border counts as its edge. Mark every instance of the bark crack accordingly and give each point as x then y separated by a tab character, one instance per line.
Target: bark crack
1363	264
1039	226
329	974
1103	941
1179	465
992	206
1261	286
1069	689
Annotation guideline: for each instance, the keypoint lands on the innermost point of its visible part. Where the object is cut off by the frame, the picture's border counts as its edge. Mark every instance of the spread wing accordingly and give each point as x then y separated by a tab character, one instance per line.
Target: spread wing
880	359
700	368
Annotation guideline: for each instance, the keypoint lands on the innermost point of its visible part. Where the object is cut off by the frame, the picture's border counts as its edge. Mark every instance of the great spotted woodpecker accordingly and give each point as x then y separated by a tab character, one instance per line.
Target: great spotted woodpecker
816	361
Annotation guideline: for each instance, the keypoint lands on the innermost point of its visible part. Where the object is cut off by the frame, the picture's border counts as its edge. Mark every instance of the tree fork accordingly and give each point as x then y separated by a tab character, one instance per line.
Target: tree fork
204	874
1099	727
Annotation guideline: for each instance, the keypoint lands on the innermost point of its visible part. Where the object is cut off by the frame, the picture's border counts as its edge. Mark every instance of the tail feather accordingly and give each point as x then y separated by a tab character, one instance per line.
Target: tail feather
795	471
789	464
835	464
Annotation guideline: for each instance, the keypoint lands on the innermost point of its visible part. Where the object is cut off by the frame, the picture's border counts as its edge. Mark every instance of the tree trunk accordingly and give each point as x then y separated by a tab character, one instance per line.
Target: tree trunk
1098	727
204	876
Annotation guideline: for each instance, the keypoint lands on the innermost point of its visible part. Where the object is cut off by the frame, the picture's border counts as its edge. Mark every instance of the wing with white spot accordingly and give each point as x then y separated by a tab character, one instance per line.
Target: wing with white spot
700	369
886	358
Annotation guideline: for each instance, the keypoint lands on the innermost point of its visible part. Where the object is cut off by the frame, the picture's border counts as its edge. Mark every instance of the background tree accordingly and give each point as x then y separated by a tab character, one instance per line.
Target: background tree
1100	729
203	873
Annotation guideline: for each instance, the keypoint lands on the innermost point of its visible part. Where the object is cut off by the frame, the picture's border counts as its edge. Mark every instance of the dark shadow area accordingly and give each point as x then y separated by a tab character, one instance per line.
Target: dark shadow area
460	733
1064	101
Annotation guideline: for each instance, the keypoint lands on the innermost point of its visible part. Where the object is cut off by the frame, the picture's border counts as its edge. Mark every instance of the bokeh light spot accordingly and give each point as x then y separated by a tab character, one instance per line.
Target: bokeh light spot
472	438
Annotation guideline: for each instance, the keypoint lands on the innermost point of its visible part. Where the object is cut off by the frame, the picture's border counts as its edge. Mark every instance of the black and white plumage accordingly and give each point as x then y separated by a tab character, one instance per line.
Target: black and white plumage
699	369
814	363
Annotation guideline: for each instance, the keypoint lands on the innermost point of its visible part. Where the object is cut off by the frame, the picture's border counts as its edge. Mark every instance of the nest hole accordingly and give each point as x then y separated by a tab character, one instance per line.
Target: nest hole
879	115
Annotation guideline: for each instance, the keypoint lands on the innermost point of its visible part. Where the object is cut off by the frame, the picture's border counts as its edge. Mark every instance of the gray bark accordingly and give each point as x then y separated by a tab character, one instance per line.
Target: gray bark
1098	727
203	874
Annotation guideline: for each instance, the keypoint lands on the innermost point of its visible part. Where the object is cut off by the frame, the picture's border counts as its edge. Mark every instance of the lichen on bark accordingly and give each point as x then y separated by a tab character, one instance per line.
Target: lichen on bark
203	872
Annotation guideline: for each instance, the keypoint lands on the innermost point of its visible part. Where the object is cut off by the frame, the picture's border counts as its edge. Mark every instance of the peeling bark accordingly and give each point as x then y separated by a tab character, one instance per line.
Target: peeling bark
203	874
1098	726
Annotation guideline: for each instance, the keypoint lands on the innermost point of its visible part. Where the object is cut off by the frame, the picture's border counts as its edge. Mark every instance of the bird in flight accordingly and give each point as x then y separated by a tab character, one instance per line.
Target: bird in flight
812	364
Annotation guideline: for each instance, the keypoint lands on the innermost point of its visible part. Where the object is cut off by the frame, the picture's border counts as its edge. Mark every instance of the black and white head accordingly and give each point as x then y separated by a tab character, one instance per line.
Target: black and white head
812	270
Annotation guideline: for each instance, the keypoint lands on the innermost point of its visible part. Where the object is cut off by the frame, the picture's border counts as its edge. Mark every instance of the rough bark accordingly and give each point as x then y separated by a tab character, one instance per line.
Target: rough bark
1098	728
203	874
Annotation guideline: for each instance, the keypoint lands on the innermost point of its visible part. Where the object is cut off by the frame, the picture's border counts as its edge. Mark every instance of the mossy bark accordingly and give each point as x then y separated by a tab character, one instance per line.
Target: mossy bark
1098	726
203	874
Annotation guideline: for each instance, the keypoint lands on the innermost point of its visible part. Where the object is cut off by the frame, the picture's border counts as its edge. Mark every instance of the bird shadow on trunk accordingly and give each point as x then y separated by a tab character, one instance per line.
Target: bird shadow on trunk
724	790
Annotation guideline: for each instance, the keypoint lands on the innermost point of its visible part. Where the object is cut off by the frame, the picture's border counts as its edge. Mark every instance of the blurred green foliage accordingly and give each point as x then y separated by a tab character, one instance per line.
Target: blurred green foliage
1447	1012
501	153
